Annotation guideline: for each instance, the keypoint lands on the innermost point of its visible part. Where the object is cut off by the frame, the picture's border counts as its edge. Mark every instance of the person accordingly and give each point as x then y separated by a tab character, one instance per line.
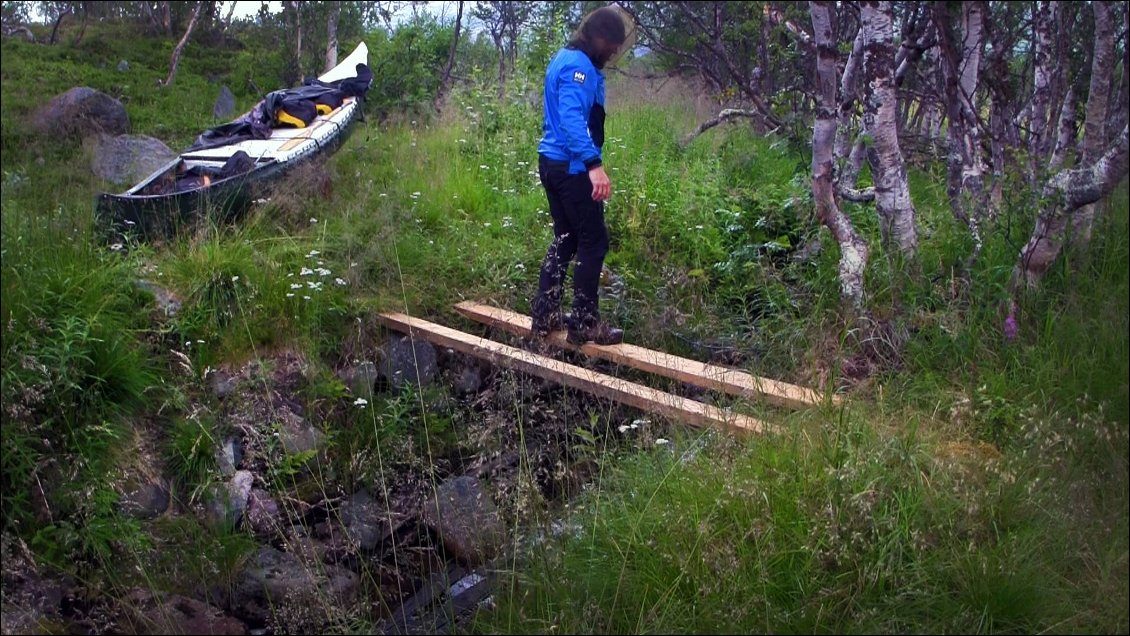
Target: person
576	184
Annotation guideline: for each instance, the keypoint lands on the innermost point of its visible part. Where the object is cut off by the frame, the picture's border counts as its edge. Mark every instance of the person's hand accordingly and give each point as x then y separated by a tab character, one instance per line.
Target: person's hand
601	185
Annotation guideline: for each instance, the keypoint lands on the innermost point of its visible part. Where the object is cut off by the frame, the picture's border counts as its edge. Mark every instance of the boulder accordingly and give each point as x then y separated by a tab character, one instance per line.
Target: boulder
409	361
222	383
273	581
81	112
365	522
224	107
361	379
227	502
149	612
228	456
263	513
30	603
296	435
467	379
145	501
466	519
167	301
125	160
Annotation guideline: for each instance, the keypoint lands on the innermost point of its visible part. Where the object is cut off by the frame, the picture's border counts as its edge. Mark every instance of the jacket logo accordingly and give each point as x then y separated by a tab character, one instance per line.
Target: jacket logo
578	77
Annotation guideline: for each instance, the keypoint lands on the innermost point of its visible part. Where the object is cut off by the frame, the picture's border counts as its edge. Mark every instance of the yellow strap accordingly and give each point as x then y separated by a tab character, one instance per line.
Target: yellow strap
286	118
323	109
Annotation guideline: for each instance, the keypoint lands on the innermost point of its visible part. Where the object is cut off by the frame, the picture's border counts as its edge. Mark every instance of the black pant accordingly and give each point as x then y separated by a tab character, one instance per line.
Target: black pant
578	230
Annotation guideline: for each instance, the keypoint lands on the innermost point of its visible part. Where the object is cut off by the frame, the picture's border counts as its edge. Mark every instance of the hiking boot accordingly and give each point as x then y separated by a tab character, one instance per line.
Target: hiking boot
600	333
536	344
543	326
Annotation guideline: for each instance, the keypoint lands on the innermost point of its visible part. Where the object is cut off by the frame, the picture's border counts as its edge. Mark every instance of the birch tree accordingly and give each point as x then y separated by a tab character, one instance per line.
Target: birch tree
961	64
331	35
1098	97
1064	194
445	78
892	193
853	249
180	45
1069	192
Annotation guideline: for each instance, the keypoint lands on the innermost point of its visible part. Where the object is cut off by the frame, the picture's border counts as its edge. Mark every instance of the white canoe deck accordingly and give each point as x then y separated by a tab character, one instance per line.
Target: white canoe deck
286	144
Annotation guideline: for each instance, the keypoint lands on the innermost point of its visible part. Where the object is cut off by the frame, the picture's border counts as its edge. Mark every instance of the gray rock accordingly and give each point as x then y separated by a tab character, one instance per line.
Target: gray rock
308	550
146	501
149	612
467	379
30	603
224	107
409	361
228	502
228	456
81	112
334	543
127	159
297	436
274	580
167	301
123	66
221	382
361	379
263	512
364	520
466	519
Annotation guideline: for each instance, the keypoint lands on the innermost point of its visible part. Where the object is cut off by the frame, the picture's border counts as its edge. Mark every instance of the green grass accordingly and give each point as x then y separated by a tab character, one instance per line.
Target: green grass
976	485
836	526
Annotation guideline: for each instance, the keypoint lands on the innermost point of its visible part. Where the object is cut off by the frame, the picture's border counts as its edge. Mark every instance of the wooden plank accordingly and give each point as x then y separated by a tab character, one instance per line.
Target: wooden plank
709	376
636	395
307	133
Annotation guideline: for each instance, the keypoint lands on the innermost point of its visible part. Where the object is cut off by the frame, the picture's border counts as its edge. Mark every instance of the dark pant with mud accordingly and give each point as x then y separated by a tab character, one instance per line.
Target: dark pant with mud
578	230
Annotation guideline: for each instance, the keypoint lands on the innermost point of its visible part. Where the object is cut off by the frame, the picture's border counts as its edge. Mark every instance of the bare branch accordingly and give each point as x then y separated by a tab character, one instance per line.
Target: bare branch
866	195
725	115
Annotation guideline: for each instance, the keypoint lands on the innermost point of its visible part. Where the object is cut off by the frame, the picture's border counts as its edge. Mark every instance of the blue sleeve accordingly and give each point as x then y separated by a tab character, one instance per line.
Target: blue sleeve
574	102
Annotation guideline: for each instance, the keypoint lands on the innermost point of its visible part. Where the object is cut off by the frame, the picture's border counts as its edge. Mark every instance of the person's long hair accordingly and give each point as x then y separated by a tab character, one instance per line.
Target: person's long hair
602	26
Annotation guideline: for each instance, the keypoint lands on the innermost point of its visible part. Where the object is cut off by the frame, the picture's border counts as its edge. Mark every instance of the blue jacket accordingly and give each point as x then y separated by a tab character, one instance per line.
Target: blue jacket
574	111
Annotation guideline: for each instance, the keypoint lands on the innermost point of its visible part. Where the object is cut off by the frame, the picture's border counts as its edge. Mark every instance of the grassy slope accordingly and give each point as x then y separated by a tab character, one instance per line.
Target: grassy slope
982	487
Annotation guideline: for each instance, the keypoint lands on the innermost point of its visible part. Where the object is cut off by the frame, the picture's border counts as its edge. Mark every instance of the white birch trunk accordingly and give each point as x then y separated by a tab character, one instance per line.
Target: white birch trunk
847	170
1098	98
1041	87
892	194
853	249
1065	139
1064	194
331	36
180	45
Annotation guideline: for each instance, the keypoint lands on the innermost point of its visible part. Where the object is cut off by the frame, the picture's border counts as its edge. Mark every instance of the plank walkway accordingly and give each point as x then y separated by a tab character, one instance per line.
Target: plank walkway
636	395
701	374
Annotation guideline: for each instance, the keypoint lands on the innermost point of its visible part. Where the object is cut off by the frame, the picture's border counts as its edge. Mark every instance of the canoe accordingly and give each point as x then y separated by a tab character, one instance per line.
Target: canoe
230	167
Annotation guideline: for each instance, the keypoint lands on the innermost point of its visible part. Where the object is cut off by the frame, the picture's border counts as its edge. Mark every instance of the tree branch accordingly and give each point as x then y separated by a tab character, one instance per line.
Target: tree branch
725	115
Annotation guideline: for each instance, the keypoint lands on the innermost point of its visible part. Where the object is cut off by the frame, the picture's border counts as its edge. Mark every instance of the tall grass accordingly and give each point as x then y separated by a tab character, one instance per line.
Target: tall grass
838	526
